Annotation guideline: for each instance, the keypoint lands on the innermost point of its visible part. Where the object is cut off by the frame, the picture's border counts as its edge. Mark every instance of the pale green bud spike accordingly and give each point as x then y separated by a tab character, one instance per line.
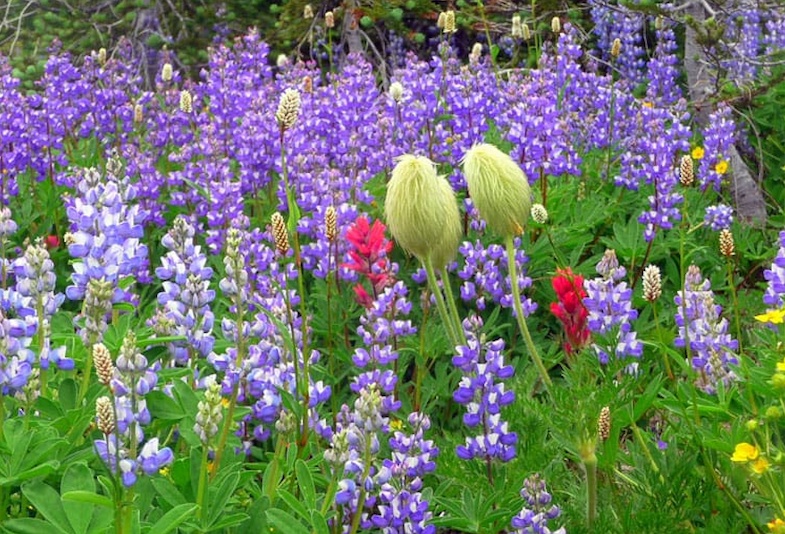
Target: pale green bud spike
422	212
498	188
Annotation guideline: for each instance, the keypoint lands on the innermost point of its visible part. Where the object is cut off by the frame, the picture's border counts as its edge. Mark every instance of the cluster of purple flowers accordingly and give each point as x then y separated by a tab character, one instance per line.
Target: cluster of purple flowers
538	509
484	395
719	217
718	139
705	333
609	303
774	297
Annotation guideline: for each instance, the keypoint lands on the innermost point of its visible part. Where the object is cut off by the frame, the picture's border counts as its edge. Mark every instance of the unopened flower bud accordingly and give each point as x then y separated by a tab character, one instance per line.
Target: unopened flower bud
104	415
476	53
686	171
604	423
778	380
751	425
330	223
539	213
308	85
422	212
308	11
281	61
499	189
288	108
396	91
449	22
659	23
186	101
517	29
102	56
727	247
280	234
652	283
329	20
104	367
556	25
138	113
772	413
166	72
440	21
616	48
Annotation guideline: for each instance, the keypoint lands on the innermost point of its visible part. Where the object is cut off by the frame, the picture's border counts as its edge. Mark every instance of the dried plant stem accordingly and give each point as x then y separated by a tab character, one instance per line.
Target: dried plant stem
516	302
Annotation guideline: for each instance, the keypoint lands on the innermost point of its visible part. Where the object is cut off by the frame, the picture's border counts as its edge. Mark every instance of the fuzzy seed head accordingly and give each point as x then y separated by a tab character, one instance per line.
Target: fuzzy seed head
422	212
330	223
449	22
526	32
104	367
308	11
652	283
686	171
104	415
396	91
102	56
476	53
616	48
556	25
186	101
166	72
499	189
539	213
288	108
517	29
138	113
727	246
329	20
604	423
280	234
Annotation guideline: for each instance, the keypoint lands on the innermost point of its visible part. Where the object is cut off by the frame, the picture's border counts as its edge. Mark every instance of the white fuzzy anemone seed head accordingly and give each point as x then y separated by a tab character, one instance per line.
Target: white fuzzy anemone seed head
498	188
422	212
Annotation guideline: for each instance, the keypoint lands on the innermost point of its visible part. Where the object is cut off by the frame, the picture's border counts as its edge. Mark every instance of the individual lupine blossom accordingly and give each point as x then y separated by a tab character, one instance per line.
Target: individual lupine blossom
400	506
609	303
35	284
719	217
718	139
106	232
382	325
186	294
132	379
482	392
774	296
538	509
485	275
570	309
700	323
368	258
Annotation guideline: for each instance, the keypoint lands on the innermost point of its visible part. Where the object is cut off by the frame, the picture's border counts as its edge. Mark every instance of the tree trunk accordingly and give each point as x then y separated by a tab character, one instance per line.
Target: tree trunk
747	195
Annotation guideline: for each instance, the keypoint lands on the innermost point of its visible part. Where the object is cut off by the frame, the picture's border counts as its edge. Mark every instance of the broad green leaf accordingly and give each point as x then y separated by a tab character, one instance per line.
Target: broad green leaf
163	407
174	518
47	501
319	523
78	478
305	480
284	523
88	497
27	525
168	491
219	496
294	503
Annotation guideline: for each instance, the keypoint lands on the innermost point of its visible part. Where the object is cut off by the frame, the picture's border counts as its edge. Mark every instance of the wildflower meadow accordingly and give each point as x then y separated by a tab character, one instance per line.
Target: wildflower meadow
505	288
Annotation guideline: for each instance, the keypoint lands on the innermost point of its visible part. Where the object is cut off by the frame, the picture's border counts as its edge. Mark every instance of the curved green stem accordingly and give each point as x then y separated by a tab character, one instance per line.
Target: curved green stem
453	307
516	302
202	491
440	305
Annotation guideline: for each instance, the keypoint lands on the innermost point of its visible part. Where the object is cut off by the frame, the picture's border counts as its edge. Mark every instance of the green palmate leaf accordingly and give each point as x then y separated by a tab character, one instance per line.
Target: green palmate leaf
164	407
78	478
284	523
219	496
174	518
47	501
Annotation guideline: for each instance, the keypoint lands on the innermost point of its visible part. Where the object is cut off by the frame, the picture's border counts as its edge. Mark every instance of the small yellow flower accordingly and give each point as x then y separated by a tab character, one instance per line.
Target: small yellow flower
225	402
744	452
781	366
698	152
772	316
721	167
777	526
761	465
164	471
396	424
648	104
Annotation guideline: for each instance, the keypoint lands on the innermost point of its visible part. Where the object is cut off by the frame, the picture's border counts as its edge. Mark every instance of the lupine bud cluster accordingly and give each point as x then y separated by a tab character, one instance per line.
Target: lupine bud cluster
652	283
288	109
209	413
537	511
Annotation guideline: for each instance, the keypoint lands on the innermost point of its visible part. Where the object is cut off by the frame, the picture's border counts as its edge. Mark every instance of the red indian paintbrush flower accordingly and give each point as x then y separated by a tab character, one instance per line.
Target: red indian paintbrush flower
569	309
368	257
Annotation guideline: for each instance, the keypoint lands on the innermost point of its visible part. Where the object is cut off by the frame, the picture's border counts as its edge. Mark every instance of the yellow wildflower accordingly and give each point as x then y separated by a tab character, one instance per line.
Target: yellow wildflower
772	316
781	366
698	152
777	526
721	167
648	104
761	465
396	424
744	452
